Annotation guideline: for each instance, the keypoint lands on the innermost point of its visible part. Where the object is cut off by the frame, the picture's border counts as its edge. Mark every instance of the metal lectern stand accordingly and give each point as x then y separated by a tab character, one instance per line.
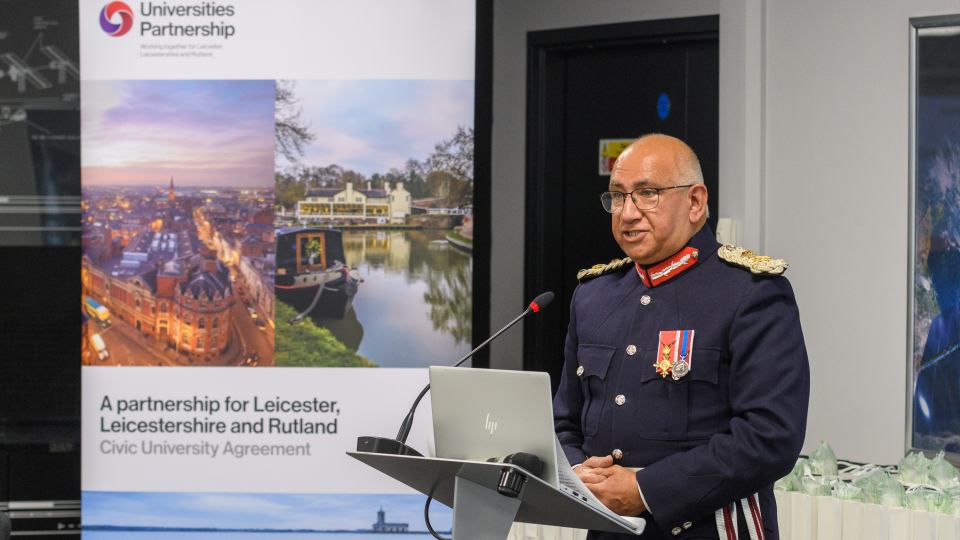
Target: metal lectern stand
480	512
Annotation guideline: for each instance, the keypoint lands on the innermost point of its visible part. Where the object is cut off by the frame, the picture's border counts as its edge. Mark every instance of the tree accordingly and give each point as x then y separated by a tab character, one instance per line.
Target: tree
414	168
414	174
290	132
352	176
454	155
395	174
443	185
314	176
289	190
439	184
461	193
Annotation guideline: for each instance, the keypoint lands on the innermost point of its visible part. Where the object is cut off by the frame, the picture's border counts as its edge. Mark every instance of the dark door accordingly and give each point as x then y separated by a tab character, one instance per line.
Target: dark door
603	82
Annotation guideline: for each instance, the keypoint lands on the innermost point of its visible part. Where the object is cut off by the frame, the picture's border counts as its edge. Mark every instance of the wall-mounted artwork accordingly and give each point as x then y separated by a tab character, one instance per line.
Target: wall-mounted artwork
934	329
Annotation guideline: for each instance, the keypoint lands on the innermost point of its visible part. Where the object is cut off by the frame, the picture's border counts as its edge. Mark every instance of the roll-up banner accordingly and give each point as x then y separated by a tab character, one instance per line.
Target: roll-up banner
277	230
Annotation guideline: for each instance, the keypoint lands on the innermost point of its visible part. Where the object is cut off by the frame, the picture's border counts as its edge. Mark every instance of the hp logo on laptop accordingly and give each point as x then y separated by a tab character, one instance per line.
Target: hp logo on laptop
489	425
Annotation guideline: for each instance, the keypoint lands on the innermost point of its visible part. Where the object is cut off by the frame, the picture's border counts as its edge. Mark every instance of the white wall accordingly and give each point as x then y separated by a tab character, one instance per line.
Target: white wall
836	170
813	165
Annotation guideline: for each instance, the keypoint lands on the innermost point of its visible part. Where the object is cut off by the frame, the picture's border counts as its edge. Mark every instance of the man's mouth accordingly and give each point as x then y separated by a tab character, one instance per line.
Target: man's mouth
633	235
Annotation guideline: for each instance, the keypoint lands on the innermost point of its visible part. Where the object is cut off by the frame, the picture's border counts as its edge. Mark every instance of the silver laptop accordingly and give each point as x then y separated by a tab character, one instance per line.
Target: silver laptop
480	414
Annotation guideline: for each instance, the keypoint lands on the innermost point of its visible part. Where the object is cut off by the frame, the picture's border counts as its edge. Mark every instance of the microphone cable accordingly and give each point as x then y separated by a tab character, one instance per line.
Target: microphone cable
426	516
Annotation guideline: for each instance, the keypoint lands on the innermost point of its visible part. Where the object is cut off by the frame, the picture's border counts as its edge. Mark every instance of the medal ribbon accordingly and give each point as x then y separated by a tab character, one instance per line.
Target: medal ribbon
686	352
667	352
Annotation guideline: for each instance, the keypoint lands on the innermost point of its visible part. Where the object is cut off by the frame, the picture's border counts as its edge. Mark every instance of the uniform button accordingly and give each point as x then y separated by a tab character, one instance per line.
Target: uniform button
676	531
617	454
631	350
580	371
687	525
620	399
695	254
645	299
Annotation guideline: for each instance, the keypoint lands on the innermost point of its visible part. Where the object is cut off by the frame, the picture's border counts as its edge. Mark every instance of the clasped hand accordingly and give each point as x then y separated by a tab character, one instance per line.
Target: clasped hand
615	486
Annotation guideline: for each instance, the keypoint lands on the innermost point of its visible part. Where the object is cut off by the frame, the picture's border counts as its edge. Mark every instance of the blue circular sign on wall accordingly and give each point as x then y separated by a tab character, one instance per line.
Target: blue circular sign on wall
663	106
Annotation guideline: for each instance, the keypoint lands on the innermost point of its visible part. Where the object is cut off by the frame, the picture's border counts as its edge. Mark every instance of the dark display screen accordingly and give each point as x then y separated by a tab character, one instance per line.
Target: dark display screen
39	123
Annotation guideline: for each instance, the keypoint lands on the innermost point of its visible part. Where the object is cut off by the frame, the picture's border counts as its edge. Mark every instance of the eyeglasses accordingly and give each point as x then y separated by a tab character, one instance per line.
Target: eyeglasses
645	198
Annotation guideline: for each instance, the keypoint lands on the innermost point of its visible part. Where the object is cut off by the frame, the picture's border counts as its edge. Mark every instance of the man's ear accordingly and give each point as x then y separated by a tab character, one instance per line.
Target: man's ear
698	202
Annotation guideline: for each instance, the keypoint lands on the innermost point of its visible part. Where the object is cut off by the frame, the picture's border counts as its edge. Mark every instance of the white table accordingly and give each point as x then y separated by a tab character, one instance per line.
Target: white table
805	517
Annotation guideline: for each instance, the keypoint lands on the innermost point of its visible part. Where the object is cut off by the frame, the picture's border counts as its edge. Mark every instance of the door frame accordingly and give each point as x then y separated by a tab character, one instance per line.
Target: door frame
482	158
545	50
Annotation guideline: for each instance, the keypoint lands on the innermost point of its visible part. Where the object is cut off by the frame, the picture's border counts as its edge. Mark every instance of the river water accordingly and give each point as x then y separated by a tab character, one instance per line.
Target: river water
414	307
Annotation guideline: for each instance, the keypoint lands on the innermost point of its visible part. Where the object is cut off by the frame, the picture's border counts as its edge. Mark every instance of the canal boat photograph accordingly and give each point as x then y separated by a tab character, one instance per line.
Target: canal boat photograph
374	222
312	276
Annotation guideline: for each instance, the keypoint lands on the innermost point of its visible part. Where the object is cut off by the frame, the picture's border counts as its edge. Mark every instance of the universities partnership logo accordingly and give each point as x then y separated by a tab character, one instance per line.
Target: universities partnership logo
107	15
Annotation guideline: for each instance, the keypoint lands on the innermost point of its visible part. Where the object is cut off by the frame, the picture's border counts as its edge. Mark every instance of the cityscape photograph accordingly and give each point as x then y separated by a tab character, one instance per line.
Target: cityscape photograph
177	228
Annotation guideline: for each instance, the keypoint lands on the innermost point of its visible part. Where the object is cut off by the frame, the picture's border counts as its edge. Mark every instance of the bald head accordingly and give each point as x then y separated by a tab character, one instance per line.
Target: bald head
670	149
648	233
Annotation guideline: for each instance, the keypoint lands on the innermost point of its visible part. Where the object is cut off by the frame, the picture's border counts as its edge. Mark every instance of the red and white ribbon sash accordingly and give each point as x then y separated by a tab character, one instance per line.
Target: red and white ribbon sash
726	519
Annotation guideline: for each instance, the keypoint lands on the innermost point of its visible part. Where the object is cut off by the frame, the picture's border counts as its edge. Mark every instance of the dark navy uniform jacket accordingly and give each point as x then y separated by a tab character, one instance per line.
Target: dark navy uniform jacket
727	429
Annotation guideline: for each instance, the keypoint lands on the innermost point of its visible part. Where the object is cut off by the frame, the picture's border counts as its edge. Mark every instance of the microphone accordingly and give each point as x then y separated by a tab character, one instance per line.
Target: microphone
541	301
398	446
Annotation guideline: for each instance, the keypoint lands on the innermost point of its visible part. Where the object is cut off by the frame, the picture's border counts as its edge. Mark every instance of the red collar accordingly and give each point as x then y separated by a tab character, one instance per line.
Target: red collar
670	268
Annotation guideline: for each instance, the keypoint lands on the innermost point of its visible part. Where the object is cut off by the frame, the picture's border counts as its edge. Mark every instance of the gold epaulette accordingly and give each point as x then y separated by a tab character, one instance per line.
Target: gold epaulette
758	264
598	270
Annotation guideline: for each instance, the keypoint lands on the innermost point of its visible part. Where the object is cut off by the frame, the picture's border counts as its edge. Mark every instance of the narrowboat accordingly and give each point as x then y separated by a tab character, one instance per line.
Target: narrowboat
312	275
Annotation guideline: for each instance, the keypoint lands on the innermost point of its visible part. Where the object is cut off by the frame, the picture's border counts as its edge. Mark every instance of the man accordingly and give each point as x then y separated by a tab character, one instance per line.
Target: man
684	391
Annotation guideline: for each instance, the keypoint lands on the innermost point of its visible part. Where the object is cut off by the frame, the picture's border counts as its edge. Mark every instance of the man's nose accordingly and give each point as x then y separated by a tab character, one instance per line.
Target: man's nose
630	210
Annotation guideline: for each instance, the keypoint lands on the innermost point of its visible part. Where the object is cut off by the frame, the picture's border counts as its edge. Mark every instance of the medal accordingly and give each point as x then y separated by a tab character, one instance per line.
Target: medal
681	365
663	368
679	370
674	354
665	362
